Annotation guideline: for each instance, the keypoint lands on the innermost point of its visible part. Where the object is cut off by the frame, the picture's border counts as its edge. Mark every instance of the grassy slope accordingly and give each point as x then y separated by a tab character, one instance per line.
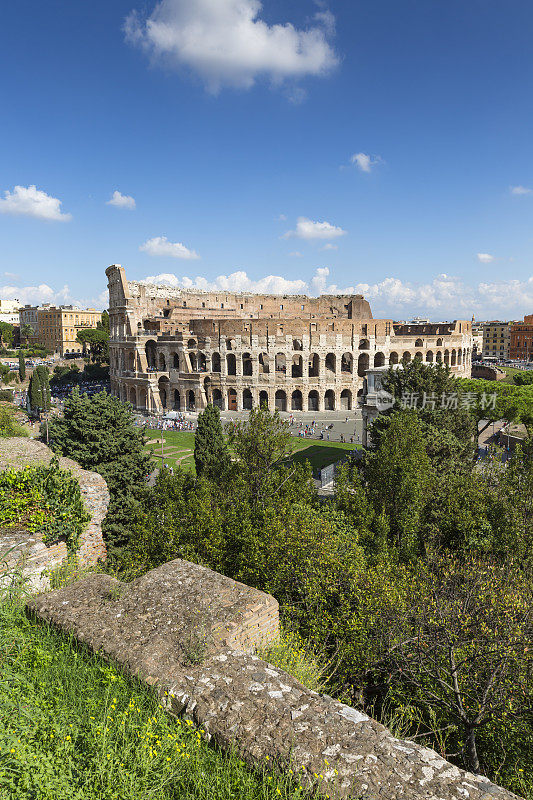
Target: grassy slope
72	727
319	453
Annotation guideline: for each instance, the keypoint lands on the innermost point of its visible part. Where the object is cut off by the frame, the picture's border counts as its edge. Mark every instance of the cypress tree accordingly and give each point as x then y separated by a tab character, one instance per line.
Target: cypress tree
22	366
44	381
35	392
211	455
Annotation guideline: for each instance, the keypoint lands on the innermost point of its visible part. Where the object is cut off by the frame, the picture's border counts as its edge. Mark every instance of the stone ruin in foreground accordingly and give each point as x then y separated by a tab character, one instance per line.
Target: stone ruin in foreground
191	633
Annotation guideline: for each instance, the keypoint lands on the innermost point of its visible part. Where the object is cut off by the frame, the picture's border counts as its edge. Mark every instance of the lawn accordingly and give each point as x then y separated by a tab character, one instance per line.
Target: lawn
73	727
179	448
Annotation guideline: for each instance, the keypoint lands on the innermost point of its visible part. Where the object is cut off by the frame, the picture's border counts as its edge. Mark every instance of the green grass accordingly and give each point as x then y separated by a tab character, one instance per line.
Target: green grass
73	727
319	453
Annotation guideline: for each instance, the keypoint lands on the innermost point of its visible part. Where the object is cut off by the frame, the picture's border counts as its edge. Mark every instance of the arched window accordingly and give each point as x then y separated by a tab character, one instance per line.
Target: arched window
439	357
297	367
217	398
281	400
346	400
191	344
379	360
246	364
296	401
347	362
162	362
419	343
454	358
149	349
447	357
231	364
192	359
264	367
202	362
331	363
393	358
439	342
362	365
314	365
191	401
176	361
177	400
406	358
419	356
329	400
429	356
247	400
280	363
263	399
215	362
312	401
364	344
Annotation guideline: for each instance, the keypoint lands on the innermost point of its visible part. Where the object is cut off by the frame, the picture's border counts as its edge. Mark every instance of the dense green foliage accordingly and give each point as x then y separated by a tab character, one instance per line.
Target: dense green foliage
39	390
8	424
523	378
45	499
97	340
6	395
75	728
73	375
99	433
22	366
7	333
211	455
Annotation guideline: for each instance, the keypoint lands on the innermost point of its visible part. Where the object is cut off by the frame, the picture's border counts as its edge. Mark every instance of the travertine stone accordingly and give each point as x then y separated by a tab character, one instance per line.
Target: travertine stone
182	613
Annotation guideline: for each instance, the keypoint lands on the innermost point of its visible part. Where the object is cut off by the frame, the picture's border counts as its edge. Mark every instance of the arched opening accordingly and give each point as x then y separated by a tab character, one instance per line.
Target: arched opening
297	344
280	362
202	362
454	358
406	358
393	358
419	356
133	397
314	365
191	401
419	343
281	400
164	385
232	400
346	400
329	400
364	344
131	361
362	364
263	399
331	363
192	360
247	400
246	364
162	362
379	360
217	398
297	367
312	401
347	362
191	343
296	401
141	398
447	357
215	362
439	342
177	400
439	357
175	361
231	364
429	356
149	349
459	357
264	367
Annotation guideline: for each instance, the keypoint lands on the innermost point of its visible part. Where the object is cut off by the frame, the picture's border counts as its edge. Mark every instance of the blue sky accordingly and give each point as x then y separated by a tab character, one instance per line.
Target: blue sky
371	144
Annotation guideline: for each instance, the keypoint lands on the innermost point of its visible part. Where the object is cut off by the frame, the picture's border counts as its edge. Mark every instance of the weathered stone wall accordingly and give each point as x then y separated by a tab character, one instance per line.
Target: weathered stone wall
18	546
182	628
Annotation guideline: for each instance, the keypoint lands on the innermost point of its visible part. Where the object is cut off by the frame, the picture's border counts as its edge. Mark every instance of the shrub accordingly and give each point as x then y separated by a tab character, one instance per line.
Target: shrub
9	426
6	394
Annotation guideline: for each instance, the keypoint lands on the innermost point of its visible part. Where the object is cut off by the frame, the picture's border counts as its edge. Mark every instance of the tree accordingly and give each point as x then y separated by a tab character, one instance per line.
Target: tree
44	380
26	332
211	456
464	646
22	366
36	395
99	432
260	444
7	333
98	341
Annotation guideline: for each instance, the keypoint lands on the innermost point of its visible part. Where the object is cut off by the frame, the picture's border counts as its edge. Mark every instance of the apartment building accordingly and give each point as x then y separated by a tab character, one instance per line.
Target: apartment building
59	326
496	339
521	344
9	311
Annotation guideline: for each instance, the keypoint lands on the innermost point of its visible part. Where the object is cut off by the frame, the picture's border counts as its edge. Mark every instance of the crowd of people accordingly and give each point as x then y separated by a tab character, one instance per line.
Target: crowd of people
161	424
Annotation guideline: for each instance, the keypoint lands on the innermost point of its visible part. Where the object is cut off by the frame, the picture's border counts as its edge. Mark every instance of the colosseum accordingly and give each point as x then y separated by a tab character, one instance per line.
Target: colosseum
179	349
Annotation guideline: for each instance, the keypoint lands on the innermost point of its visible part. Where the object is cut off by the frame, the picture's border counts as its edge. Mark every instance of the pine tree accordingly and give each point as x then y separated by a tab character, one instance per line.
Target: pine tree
211	455
44	380
22	366
35	392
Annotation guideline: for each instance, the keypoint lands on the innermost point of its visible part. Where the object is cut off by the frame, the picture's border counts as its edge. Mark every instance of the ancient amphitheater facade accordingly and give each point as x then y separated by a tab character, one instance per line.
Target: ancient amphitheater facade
181	349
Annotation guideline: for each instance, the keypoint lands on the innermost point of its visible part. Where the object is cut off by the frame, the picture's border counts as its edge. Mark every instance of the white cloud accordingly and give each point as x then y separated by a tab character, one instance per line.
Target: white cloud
365	162
307	229
235	282
318	282
520	190
485	258
330	246
35	294
227	44
121	200
28	201
160	246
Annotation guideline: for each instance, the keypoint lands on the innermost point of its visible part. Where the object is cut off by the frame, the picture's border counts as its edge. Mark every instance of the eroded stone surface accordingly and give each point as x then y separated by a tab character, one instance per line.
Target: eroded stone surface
236	698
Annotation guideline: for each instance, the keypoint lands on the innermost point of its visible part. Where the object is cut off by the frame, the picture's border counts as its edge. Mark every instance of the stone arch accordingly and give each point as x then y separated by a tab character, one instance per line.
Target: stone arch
280	400
162	362
142	398
175	361
191	401
379	360
312	400
297	344
217	399
362	364
232	400
329	400
177	400
459	357
231	362
230	344
149	349
131	361
364	344
264	365
419	356
346	400
314	365
447	357
263	399
439	342
393	358
247	400
132	394
453	360
429	357
246	364
419	343
215	362
280	363
438	357
406	358
202	362
347	362
296	400
331	363
297	368
192	359
191	343
164	387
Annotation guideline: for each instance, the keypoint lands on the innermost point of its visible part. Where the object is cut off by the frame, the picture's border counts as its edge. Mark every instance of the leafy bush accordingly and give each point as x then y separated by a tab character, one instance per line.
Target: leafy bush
8	425
6	394
45	499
